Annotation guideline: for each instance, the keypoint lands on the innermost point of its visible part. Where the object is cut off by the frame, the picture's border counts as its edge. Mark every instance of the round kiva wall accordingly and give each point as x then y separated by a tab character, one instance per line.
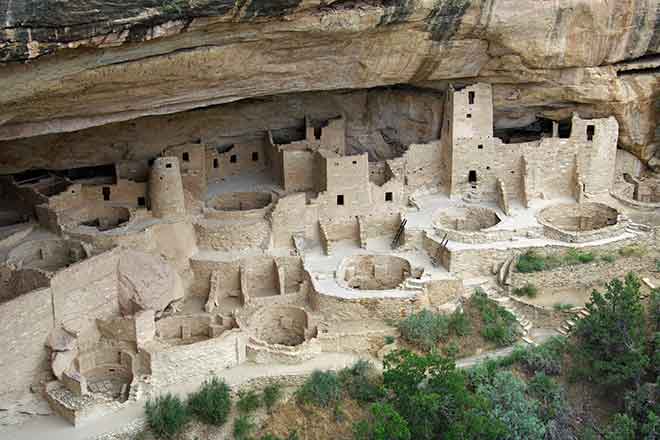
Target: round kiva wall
579	217
466	218
281	325
373	272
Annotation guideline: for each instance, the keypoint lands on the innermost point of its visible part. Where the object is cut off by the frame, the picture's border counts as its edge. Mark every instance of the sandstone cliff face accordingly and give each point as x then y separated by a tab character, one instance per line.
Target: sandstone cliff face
83	63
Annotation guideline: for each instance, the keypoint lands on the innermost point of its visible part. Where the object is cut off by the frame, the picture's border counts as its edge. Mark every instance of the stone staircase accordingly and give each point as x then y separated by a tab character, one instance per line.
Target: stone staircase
472	196
493	293
569	324
637	228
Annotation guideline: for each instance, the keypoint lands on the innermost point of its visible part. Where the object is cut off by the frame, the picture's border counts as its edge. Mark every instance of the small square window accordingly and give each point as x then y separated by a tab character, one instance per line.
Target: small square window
481	147
255	156
215	163
141	201
233	158
151	161
591	131
340	199
355	162
469	115
186	157
168	165
388	196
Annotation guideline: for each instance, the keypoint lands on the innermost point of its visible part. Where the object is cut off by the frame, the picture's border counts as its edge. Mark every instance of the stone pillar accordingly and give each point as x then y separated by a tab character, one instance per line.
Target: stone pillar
166	188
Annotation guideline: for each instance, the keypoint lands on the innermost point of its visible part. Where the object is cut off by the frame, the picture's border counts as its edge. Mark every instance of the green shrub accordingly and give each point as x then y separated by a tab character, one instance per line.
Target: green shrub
529	290
530	262
385	424
657	265
389	339
271	395
248	401
451	350
459	323
562	307
424	329
500	326
243	427
166	415
574	257
359	381
546	358
608	258
211	404
633	250
322	388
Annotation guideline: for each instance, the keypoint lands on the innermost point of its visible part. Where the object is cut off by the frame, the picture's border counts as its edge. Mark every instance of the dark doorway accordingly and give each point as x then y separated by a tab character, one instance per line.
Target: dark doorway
340	199
472	176
106	193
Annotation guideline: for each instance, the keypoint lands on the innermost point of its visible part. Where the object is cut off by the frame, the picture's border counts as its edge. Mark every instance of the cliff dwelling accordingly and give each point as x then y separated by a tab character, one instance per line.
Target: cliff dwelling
170	214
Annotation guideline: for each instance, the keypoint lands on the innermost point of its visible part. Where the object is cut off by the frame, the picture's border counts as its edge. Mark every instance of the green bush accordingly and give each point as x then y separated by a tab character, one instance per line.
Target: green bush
546	358
389	340
385	424
322	388
608	258
657	265
291	436
243	427
500	326
359	381
166	415
211	404
424	329
530	262
529	290
574	257
271	395
248	401
633	250
459	323
562	307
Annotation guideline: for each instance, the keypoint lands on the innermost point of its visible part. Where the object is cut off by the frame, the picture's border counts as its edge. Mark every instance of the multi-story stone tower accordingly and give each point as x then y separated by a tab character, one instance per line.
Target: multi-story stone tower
166	188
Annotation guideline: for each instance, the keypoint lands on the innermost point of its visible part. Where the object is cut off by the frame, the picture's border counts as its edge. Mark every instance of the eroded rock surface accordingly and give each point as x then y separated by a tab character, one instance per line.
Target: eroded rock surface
113	62
146	282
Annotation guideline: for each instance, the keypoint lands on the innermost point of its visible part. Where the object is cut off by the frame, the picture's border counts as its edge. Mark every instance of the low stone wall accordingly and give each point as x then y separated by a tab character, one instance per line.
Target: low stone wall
261	352
334	309
174	364
221	236
583	275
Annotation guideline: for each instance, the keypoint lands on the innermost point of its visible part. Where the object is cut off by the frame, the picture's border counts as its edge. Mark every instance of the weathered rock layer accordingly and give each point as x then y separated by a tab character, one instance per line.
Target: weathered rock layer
91	63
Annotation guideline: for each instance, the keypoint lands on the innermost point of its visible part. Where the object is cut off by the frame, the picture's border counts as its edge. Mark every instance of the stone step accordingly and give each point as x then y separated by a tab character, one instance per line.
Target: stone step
566	327
570	323
561	331
529	341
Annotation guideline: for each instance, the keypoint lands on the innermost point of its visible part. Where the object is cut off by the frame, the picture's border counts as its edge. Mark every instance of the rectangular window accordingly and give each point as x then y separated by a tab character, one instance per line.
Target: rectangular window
255	156
469	116
215	163
317	133
141	201
388	196
591	131
481	147
233	158
472	176
471	98
186	157
340	199
106	193
168	165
